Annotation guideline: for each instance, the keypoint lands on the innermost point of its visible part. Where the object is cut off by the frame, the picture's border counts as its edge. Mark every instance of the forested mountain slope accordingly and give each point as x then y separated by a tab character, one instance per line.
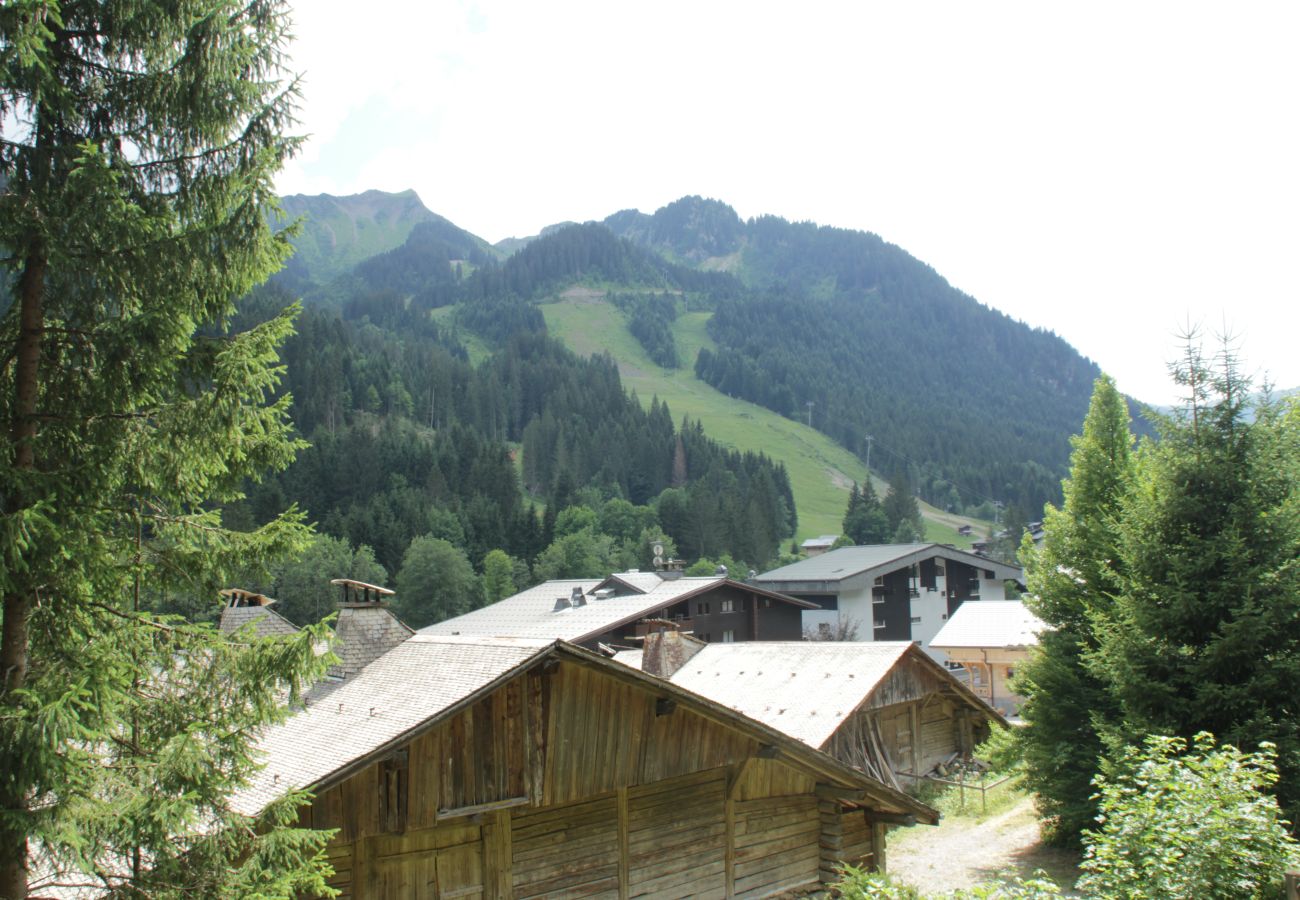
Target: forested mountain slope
978	405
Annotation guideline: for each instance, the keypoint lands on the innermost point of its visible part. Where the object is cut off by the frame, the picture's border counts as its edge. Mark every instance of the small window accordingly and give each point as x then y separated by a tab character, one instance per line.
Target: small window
880	623
767	603
727	606
703	608
916	620
728	636
1011	672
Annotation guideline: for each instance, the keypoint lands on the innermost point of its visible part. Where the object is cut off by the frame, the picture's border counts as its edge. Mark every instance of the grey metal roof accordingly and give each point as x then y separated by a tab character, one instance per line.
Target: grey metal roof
877	559
990	623
806	689
532	613
803	688
408	685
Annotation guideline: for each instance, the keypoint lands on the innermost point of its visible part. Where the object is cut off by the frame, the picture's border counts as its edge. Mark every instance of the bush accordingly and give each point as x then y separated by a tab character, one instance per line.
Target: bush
1176	824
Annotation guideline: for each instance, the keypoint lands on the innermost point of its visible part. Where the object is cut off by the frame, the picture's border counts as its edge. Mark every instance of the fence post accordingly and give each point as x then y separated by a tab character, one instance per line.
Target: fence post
1292	879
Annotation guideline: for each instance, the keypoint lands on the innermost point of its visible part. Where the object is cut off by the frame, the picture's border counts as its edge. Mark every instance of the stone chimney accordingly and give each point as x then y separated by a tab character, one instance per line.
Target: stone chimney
667	650
366	628
239	607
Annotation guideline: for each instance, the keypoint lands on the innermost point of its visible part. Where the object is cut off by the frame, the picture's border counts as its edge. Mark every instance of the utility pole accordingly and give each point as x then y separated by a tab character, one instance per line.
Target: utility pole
810	406
869	439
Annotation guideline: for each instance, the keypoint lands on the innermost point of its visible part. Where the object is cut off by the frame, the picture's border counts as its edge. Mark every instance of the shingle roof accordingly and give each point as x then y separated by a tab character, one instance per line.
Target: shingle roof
408	685
873	559
266	622
990	623
532	613
364	633
803	688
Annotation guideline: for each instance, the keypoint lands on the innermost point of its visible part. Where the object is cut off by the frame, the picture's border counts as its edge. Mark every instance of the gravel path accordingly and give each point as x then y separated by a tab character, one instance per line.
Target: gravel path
962	852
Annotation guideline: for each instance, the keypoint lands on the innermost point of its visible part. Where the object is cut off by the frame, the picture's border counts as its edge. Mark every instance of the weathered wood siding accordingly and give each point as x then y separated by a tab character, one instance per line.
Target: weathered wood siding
778	844
572	783
677	837
570	850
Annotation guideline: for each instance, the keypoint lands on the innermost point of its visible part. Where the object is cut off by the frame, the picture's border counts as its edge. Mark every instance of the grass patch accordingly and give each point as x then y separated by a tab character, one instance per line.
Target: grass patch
999	794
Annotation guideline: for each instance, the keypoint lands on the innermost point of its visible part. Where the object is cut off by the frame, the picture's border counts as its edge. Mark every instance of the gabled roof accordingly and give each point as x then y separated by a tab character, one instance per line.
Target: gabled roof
429	678
806	689
532	613
990	623
640	582
875	559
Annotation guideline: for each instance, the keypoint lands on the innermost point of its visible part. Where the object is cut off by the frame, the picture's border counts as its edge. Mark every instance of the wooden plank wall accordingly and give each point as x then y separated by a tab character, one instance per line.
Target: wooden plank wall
677	837
569	850
632	744
573	783
778	844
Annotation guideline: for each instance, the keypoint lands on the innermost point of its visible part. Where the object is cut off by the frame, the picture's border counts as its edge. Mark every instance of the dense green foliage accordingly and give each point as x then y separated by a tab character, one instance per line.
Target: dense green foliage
408	439
139	144
1170	579
650	319
865	521
1206	625
1180	823
1071	579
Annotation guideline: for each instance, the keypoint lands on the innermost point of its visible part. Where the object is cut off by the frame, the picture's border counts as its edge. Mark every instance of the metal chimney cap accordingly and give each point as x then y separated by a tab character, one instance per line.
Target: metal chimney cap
561	603
721	571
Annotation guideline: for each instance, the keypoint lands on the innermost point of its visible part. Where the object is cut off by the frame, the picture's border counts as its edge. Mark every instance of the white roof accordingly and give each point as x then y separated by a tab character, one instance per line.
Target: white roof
532	613
990	623
805	689
405	687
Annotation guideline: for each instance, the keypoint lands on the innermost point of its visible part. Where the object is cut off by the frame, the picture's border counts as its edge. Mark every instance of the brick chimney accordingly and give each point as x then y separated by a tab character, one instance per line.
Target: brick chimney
667	650
366	628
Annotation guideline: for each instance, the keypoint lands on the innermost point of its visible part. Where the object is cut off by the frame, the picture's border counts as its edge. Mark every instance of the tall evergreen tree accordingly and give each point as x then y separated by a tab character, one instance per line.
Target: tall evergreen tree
1071	579
864	517
1206	633
139	143
902	512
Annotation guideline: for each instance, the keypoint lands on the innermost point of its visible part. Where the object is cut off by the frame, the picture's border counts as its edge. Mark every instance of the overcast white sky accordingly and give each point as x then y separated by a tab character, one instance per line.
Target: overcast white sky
1109	171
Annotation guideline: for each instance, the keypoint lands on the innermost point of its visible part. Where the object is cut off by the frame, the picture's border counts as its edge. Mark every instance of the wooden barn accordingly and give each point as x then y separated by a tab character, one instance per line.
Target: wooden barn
514	768
886	708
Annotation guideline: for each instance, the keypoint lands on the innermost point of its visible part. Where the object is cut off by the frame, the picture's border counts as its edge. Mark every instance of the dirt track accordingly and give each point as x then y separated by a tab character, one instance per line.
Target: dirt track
961	852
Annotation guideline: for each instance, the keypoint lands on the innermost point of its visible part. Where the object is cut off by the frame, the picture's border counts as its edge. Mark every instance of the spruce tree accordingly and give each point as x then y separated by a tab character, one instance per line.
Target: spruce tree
864	518
1206	633
1071	579
902	512
138	148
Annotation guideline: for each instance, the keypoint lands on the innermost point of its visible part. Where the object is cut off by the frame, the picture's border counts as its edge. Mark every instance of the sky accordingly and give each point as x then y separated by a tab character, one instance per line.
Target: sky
1116	173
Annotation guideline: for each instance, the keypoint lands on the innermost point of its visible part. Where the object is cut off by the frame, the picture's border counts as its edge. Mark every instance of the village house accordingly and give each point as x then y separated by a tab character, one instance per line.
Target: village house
616	611
472	766
989	640
815	546
885	708
889	592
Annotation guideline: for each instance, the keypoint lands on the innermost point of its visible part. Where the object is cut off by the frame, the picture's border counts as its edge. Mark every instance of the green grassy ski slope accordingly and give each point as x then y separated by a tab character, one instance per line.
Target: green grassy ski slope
821	471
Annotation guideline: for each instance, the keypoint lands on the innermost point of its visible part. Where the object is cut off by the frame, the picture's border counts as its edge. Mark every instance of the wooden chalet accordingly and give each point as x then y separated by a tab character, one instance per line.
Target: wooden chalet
618	611
511	768
885	708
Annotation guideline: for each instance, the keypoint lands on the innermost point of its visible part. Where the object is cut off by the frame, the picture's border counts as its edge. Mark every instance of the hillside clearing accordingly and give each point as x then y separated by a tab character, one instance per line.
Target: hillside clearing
821	471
